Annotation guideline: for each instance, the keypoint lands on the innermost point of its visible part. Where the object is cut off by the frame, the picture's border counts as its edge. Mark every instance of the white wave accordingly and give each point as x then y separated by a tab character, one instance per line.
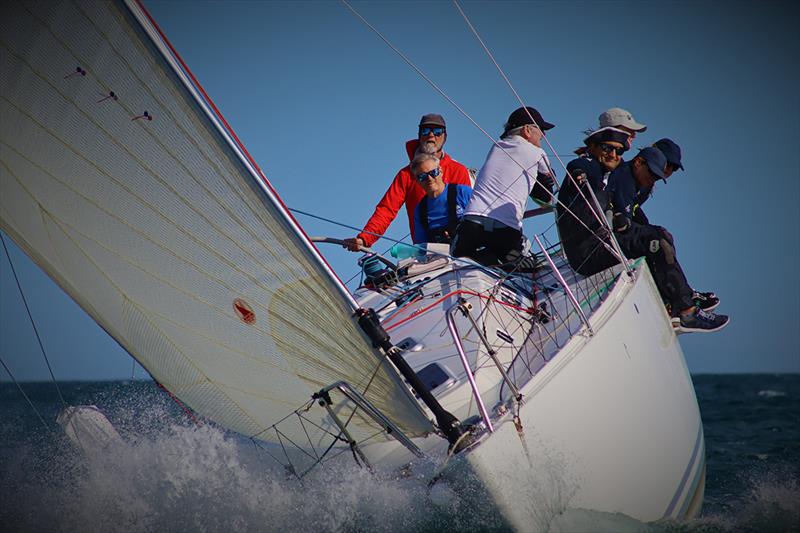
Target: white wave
771	393
185	478
773	504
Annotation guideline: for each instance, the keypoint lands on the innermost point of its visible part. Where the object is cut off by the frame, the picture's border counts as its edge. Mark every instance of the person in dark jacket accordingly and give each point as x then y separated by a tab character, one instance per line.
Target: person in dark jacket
672	152
705	300
644	240
584	236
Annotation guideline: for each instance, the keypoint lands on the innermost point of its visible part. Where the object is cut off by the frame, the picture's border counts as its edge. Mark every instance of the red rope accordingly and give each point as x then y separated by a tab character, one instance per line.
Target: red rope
230	131
177	401
428	307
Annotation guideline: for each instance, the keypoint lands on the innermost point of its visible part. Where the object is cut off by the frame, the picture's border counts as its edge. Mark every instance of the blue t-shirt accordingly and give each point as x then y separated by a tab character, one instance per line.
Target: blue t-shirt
437	211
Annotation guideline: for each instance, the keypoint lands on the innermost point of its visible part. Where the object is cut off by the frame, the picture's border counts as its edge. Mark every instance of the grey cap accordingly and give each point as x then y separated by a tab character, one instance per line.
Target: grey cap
616	116
655	159
432	119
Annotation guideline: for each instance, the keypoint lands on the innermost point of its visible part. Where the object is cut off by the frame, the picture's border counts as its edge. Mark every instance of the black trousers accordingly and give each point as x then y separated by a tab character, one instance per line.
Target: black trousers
588	256
657	247
488	247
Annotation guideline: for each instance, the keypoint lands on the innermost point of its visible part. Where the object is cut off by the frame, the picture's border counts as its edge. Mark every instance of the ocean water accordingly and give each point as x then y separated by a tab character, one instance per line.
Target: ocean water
171	475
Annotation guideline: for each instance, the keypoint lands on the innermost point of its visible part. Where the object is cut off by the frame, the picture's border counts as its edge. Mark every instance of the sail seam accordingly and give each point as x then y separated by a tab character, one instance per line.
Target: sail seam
149	171
189	137
143	202
65	225
142	234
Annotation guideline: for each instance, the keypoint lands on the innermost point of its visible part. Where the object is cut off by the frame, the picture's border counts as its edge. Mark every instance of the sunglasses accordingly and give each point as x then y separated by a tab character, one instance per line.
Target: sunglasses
607	149
430	174
427	130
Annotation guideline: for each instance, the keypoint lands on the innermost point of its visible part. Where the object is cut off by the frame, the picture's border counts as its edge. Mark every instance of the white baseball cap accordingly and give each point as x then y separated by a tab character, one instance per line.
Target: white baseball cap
616	116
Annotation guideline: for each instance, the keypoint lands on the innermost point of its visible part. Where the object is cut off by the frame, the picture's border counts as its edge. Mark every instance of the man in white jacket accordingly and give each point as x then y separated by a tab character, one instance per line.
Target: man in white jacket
516	168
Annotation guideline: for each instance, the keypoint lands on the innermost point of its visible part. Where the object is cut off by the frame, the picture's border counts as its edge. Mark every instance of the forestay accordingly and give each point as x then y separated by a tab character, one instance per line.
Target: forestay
123	186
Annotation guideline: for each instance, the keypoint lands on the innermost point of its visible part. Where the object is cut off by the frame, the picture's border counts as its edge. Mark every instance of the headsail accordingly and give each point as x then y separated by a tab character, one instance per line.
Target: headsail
121	184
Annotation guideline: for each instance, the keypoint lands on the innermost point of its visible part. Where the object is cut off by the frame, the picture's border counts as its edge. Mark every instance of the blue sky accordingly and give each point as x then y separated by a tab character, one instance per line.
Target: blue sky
325	107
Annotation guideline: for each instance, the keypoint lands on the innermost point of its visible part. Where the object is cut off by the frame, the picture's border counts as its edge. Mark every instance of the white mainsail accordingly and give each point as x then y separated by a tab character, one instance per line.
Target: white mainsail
121	184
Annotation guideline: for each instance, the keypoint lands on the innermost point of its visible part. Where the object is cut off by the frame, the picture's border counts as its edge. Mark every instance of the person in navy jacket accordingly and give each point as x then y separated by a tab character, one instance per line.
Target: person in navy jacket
580	225
626	184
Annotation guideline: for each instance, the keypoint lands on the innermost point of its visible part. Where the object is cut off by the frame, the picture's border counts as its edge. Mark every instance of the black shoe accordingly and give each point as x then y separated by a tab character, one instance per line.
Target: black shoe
525	264
701	321
706	301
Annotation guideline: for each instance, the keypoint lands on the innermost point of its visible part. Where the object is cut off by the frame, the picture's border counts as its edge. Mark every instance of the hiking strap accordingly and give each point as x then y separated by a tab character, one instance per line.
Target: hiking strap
452	217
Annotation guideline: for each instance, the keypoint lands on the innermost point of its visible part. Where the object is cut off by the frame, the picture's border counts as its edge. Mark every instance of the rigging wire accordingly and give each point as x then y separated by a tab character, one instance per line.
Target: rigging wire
466	261
441	92
508	82
522	103
614	248
426	78
33	323
600	219
452	102
35	410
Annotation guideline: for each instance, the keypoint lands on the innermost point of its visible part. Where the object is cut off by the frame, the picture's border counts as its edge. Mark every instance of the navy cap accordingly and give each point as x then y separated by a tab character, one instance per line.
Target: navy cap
608	134
521	117
656	160
671	150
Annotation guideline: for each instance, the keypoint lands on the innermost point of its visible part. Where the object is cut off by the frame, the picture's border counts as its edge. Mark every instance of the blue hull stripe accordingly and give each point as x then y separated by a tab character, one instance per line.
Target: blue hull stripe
698	474
686	473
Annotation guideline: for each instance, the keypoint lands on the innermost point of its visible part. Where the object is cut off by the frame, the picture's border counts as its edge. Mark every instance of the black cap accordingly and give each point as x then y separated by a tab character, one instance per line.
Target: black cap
671	150
521	117
432	119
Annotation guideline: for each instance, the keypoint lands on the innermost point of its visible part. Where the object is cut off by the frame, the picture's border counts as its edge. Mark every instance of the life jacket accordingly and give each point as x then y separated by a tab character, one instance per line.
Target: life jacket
445	233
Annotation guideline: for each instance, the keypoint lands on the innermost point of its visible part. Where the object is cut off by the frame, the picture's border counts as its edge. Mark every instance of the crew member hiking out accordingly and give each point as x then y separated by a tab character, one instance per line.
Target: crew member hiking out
645	240
583	232
672	151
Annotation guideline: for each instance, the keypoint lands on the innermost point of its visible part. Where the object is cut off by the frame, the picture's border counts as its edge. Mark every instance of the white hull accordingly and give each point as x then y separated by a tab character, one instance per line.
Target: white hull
612	423
144	207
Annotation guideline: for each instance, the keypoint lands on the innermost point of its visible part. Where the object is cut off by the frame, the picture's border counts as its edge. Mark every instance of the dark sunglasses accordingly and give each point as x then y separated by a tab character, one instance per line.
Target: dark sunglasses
607	148
433	174
427	130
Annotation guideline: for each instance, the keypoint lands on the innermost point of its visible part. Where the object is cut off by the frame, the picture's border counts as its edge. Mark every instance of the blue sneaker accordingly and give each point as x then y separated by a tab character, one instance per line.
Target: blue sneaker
701	322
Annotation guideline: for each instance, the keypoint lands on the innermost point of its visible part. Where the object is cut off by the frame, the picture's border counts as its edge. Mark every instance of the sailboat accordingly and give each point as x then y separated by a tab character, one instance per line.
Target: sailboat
123	182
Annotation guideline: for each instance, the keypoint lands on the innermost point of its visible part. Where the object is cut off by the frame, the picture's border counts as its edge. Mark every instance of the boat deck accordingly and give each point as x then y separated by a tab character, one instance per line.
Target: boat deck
526	319
550	333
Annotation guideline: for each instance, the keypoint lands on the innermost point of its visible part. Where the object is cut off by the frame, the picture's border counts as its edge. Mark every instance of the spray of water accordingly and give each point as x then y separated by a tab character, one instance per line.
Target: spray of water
173	476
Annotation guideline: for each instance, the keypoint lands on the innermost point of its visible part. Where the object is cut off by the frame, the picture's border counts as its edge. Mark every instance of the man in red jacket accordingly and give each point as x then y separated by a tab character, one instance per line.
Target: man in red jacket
404	187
